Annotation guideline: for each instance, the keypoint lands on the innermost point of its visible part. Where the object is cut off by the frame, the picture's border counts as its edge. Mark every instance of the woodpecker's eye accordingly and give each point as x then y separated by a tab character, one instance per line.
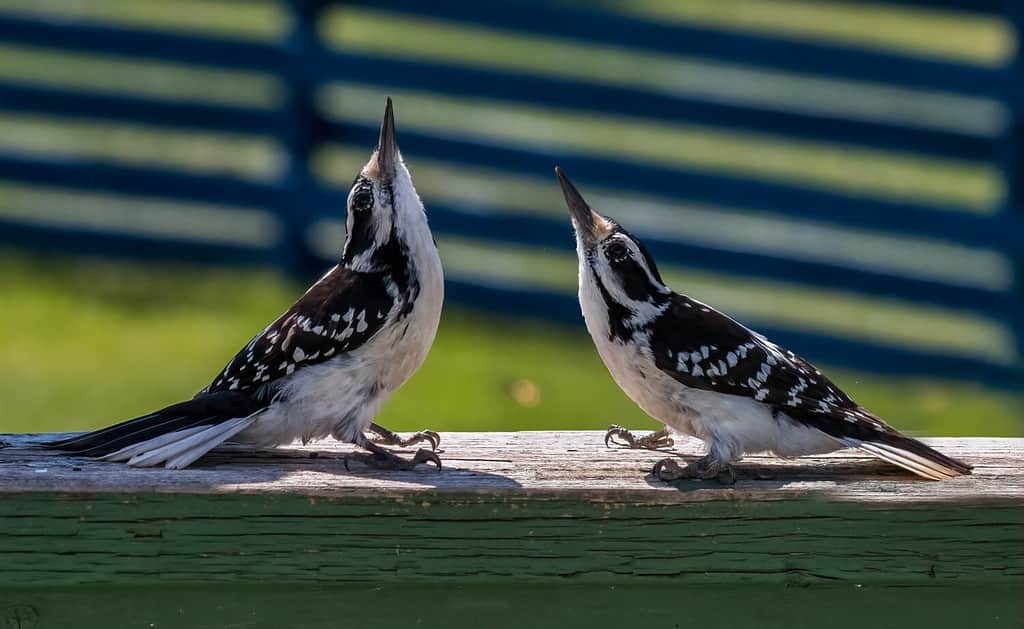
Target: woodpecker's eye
616	252
362	199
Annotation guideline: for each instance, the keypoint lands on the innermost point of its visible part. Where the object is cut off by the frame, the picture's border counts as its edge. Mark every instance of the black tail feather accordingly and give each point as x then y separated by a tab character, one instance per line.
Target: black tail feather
910	444
205	409
861	428
78	442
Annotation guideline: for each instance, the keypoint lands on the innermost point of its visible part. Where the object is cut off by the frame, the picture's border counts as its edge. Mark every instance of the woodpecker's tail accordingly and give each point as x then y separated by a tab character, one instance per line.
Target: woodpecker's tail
915	456
175	436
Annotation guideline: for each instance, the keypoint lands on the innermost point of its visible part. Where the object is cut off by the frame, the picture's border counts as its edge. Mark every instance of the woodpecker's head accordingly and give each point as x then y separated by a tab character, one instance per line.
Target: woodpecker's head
384	211
614	264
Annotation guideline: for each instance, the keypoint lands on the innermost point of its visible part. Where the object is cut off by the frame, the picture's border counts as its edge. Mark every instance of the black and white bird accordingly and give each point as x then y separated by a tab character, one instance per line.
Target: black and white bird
703	374
327	365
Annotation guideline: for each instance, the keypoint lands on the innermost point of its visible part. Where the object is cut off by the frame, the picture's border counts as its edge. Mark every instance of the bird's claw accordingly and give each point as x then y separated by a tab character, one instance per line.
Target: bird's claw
424	435
384	460
670	470
388	438
654	441
427	456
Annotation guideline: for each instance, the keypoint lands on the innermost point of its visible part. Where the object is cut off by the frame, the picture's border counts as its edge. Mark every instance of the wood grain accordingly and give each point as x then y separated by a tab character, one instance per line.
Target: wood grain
508	507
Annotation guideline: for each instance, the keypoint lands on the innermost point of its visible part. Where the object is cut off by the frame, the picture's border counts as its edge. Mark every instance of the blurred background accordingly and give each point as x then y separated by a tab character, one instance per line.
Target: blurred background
845	177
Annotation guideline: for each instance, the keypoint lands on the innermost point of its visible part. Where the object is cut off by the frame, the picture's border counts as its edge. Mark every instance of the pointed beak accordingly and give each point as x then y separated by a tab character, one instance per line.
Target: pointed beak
590	226
387	150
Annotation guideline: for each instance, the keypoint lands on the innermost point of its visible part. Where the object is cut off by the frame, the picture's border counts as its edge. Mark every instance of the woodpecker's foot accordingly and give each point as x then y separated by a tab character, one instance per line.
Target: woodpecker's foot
653	441
704	468
386	460
386	437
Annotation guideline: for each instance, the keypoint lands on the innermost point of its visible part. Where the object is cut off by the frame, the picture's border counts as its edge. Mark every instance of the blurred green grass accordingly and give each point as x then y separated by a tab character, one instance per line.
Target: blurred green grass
91	341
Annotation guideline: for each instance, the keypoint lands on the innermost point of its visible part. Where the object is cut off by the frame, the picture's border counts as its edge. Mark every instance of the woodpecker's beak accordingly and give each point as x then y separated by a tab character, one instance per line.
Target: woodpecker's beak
387	149
590	226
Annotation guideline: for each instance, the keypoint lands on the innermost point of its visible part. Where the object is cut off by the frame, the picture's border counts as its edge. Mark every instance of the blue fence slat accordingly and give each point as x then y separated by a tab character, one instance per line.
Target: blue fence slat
300	136
819	348
529	231
150	111
613	29
999	231
515	228
992	7
68	241
637	103
147	182
131	42
1013	169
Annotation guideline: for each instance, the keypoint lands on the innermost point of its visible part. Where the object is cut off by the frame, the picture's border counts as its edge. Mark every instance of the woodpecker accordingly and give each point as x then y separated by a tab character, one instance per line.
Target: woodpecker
327	365
702	374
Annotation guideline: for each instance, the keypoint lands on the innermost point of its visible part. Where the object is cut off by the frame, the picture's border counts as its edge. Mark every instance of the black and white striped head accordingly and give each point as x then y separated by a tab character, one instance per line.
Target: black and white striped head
614	264
383	206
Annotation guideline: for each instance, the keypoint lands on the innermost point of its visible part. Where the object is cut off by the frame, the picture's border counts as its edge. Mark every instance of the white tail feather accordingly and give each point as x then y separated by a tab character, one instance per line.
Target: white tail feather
135	449
189	446
908	460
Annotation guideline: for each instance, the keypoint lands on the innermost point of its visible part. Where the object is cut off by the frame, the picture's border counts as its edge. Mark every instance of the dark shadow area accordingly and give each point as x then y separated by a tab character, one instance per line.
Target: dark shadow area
239	467
781	475
660	603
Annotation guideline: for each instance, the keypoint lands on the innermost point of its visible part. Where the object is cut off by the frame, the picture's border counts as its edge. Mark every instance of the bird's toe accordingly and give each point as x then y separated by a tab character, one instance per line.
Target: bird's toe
669	470
616	431
426	456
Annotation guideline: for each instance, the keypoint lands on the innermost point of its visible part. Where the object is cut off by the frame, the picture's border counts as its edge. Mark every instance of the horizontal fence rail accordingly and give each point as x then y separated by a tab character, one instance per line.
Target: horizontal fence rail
766	52
301	65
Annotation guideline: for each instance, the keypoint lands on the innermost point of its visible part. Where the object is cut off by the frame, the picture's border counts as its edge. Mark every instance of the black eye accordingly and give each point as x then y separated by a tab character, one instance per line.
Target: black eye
616	252
362	199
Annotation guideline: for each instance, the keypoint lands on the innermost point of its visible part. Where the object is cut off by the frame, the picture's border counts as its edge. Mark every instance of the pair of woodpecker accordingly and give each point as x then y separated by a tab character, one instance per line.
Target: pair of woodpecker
327	365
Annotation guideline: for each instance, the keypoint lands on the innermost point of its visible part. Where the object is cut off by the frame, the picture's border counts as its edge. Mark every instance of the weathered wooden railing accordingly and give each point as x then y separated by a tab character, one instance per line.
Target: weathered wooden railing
292	538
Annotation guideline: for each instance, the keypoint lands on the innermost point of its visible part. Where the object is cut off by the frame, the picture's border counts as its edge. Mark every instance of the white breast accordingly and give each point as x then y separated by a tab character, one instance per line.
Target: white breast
730	424
340	397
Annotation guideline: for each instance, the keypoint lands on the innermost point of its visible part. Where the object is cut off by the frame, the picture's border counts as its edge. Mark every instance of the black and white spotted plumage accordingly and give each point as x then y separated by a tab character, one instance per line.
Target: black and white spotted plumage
324	367
338	314
704	374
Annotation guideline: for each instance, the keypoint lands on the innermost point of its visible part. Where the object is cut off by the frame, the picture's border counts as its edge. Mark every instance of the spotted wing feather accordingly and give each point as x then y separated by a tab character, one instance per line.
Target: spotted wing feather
704	349
336	315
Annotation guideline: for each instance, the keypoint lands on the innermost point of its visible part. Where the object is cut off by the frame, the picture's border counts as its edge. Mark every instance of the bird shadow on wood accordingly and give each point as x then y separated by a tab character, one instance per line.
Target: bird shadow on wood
237	468
785	474
277	463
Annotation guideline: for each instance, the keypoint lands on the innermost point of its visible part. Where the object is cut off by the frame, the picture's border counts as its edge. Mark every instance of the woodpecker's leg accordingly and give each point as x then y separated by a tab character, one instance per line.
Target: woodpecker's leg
384	459
653	441
707	467
386	437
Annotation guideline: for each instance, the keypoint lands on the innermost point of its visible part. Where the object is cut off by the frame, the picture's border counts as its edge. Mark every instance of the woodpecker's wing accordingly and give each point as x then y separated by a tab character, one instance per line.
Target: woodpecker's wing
704	349
336	315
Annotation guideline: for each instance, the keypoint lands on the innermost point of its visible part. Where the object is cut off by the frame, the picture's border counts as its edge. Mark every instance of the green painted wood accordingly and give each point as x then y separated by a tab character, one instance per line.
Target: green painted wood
663	605
510	509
